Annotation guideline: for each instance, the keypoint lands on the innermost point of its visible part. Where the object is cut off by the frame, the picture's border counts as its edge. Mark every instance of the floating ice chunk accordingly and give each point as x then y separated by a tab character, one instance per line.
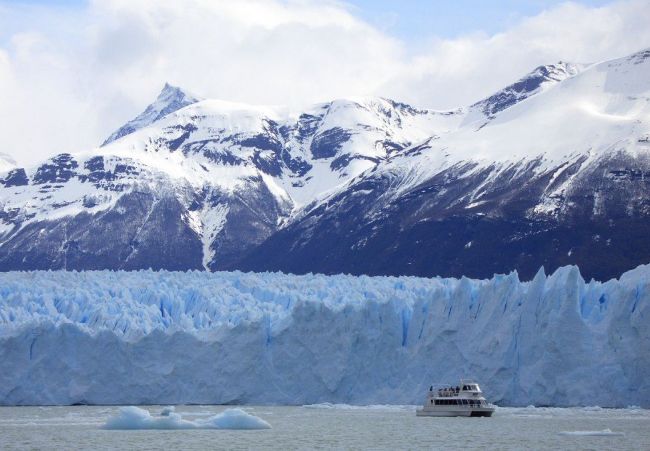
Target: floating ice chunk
235	419
167	411
136	418
603	433
321	405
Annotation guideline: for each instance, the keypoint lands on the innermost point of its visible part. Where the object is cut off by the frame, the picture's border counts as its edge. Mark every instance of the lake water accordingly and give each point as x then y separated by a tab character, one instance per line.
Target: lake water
333	427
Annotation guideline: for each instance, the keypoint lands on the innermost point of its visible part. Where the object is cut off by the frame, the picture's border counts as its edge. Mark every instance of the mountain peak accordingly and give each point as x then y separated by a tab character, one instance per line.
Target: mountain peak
169	90
556	72
530	84
171	98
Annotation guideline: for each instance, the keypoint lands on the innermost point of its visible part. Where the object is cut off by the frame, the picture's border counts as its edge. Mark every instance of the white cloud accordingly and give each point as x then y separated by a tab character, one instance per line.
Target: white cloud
460	71
69	77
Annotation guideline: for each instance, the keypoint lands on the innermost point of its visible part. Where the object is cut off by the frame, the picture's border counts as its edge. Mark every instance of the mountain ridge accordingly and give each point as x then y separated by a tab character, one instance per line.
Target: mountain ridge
335	187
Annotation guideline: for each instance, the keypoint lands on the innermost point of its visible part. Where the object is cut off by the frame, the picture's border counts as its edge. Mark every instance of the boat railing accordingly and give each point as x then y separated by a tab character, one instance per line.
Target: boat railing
444	394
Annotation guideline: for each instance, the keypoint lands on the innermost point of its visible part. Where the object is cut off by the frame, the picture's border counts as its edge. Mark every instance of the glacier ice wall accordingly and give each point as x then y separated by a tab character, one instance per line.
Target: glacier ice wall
167	338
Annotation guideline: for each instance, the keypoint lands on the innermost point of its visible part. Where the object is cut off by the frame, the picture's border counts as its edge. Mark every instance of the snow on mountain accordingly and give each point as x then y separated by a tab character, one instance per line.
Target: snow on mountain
344	184
300	155
559	177
596	112
274	338
233	173
169	100
353	136
537	81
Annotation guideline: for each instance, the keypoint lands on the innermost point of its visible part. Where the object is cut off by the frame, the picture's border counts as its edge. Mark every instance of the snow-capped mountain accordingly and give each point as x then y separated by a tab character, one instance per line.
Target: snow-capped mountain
561	177
198	187
170	99
549	171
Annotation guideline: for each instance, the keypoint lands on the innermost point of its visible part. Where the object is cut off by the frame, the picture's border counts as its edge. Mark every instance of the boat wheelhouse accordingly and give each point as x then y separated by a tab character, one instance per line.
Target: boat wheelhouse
463	400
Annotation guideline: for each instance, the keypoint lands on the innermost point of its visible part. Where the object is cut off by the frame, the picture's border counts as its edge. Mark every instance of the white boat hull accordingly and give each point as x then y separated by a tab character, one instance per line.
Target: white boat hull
474	412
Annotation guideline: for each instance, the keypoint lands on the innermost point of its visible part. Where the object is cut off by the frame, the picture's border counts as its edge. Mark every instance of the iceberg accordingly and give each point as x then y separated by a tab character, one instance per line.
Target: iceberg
132	417
168	338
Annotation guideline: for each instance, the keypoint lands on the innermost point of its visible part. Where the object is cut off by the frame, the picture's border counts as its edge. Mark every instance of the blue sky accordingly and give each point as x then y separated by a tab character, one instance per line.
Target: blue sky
412	20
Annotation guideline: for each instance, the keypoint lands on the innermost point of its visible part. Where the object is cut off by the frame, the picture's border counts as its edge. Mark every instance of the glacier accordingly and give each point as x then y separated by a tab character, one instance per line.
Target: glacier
151	337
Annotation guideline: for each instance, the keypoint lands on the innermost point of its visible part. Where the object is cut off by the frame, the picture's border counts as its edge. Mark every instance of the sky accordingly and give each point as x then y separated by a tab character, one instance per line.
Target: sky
412	20
72	71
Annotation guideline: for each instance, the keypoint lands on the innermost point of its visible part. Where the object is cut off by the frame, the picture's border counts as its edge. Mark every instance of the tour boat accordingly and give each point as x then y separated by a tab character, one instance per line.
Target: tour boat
463	400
